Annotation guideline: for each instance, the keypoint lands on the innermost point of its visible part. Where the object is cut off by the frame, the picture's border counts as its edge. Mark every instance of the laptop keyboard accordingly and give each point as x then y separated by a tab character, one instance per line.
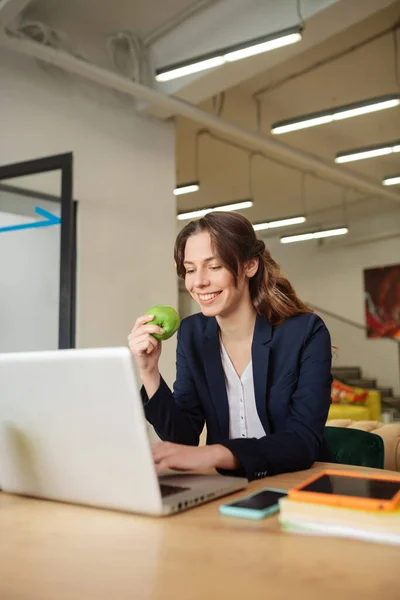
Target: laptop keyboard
168	490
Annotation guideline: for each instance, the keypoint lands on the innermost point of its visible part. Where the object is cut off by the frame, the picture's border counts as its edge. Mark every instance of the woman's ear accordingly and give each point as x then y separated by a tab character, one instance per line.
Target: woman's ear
251	267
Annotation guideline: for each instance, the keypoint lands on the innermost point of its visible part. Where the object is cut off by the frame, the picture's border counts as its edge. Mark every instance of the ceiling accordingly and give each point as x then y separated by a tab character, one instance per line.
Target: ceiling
98	17
299	86
87	24
171	30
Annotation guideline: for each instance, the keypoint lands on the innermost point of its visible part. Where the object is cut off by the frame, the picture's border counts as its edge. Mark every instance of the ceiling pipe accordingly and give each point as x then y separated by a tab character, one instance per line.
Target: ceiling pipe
9	10
254	141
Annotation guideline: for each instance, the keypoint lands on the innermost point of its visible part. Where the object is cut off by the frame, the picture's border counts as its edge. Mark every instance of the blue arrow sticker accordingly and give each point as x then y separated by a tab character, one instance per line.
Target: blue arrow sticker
49	219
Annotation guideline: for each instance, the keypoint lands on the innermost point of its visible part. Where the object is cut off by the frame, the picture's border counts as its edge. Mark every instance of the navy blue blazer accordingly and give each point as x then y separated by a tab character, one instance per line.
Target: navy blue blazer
292	384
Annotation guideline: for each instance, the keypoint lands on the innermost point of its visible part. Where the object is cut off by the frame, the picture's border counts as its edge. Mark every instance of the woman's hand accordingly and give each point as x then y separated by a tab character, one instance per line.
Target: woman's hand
145	348
167	455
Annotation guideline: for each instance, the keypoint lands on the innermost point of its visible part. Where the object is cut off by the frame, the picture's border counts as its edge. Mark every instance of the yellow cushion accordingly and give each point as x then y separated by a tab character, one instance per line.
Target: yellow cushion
373	402
370	411
349	411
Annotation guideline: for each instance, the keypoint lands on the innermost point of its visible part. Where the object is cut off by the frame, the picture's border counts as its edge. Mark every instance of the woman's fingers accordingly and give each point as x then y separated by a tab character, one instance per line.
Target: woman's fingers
145	343
163	466
140	339
145	329
144	347
162	450
166	456
142	320
148	330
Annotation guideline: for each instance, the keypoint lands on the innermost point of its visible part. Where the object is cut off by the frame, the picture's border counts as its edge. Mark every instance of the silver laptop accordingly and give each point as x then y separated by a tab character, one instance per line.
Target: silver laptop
72	428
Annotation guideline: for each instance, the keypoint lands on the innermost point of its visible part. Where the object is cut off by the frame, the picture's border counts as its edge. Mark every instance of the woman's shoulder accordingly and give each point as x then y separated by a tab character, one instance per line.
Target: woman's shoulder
194	324
307	323
304	330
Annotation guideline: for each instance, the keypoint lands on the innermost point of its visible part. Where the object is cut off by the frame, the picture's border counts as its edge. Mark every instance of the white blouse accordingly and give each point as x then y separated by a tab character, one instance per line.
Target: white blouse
244	421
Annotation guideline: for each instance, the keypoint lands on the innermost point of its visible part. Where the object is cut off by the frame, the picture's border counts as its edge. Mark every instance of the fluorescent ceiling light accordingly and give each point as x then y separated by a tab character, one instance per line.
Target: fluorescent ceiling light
187	188
232	53
202	65
302	237
367	152
280	223
391	180
226	207
336	114
280	42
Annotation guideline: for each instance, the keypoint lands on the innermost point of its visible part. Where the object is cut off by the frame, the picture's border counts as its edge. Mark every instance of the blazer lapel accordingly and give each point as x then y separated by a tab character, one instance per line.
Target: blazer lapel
216	376
260	353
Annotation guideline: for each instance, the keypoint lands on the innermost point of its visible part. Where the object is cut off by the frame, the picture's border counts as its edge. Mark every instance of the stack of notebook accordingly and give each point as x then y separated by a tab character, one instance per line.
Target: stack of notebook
324	519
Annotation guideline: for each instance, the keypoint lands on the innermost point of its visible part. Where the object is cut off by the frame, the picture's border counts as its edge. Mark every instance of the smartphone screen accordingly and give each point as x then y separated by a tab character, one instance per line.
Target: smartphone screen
261	501
342	485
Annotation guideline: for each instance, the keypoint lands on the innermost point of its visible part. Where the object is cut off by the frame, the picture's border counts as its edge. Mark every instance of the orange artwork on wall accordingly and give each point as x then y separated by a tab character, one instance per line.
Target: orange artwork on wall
382	302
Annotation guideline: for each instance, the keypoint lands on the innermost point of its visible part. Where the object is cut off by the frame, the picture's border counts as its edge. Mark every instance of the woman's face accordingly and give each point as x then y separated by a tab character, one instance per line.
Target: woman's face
209	283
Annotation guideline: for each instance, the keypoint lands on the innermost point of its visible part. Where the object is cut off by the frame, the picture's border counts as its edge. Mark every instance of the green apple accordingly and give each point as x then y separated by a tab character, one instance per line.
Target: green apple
166	317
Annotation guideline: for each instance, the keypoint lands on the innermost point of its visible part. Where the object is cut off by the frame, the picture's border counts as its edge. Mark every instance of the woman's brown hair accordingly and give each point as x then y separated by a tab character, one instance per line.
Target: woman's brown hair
234	241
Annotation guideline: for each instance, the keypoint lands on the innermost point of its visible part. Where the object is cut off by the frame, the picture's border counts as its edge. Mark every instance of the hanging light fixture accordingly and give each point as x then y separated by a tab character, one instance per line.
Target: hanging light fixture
187	188
191	186
224	207
297	220
240	205
391	180
336	114
231	53
279	223
368	152
315	235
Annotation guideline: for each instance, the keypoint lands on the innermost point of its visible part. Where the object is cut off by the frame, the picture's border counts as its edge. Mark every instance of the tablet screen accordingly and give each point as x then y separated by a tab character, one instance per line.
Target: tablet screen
354	486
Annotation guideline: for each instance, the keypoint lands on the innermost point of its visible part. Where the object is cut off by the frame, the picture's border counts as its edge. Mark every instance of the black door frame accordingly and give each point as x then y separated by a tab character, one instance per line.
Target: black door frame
67	301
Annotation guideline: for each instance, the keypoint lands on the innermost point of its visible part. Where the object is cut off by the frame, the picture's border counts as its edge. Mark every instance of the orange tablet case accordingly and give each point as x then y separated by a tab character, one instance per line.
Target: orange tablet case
297	493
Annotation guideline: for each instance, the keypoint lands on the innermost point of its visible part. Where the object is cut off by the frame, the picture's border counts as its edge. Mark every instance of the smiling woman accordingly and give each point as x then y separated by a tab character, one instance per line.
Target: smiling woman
253	365
227	239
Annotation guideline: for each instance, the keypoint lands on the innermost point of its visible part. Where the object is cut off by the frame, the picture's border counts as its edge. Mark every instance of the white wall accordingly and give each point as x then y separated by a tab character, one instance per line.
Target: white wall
123	179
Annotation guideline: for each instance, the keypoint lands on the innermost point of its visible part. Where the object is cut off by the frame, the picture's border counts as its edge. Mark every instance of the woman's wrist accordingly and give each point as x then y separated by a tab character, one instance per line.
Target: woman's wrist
151	381
224	458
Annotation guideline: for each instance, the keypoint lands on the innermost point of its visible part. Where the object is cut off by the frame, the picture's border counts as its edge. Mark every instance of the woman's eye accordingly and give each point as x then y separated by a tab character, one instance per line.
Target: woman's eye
188	271
215	267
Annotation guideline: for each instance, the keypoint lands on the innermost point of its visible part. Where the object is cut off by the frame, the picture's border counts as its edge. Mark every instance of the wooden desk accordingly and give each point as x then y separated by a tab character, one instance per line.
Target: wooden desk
54	551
